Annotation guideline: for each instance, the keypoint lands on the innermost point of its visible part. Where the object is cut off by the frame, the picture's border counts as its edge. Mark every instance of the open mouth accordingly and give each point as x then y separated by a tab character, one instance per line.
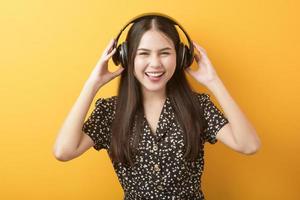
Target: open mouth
154	75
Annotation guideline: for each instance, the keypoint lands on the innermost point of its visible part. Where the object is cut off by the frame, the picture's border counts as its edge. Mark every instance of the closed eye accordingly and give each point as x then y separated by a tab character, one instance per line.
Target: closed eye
166	53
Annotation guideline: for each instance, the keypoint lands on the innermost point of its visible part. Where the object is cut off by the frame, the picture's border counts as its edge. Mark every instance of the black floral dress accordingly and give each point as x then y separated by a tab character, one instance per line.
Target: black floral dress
161	172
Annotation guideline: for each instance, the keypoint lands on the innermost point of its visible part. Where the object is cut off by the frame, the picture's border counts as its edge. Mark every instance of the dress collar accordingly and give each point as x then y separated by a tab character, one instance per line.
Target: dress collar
164	122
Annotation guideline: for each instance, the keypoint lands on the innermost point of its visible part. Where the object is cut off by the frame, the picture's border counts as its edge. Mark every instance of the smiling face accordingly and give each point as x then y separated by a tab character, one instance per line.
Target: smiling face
156	53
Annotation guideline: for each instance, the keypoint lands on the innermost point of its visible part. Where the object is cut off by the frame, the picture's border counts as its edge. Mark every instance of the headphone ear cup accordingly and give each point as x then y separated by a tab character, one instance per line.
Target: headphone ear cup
189	57
120	56
185	59
116	56
181	55
124	54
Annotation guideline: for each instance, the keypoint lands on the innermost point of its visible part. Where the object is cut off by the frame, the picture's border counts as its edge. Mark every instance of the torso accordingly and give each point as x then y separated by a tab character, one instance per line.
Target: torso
152	115
161	172
152	121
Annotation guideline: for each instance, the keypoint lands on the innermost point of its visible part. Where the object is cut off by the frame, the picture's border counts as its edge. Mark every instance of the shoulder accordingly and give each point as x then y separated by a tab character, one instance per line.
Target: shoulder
202	97
107	104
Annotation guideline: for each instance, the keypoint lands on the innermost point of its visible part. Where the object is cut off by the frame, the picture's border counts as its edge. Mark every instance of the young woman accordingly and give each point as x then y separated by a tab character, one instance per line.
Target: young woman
155	129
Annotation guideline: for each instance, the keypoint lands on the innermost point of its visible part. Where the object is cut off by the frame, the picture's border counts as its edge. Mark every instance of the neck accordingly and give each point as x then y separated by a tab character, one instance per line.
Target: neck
150	97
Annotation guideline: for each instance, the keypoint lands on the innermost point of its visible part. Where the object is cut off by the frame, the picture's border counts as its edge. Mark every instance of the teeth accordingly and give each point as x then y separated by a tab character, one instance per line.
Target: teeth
155	74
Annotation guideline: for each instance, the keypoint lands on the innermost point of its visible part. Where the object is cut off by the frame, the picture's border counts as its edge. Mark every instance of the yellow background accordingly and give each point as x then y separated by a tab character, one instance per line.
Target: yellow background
49	48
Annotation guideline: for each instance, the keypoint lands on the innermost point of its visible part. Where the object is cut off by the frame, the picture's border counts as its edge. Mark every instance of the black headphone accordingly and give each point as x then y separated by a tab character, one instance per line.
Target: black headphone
185	54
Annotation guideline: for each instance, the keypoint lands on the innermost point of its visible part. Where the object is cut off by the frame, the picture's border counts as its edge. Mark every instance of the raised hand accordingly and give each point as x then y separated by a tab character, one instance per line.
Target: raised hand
205	73
100	74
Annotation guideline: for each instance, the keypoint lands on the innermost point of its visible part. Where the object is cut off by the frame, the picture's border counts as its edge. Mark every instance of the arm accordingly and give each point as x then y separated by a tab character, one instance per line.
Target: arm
70	134
71	141
239	133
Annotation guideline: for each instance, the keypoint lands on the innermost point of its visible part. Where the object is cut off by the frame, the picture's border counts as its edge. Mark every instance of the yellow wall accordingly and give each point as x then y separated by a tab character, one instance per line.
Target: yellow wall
48	49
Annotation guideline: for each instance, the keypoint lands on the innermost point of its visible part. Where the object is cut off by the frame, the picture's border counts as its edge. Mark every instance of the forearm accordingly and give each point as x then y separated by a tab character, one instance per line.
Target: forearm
71	131
243	131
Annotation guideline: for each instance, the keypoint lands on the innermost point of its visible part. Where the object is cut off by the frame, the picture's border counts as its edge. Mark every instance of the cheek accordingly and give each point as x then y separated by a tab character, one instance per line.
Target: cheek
171	64
138	70
138	63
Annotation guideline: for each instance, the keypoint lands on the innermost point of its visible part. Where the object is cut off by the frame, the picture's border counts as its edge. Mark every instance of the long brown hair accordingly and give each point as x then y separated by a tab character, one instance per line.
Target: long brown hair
129	111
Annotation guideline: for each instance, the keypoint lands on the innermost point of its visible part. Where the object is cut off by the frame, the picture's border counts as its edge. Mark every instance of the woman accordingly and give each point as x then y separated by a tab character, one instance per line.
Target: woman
155	129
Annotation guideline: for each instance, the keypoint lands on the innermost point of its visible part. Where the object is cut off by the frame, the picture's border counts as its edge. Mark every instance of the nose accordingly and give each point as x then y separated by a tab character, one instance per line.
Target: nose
155	61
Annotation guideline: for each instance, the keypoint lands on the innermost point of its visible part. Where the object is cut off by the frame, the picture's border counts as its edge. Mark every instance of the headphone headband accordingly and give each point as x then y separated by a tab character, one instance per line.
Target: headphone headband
185	53
150	14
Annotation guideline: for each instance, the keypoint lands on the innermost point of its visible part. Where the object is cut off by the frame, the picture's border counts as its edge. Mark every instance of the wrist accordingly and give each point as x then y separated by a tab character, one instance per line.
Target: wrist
214	83
93	86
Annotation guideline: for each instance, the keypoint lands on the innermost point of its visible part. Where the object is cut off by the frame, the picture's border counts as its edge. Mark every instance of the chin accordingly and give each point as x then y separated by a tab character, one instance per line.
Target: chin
154	88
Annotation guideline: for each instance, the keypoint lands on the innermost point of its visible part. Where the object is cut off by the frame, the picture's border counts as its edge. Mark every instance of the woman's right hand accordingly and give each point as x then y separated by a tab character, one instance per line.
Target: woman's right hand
100	74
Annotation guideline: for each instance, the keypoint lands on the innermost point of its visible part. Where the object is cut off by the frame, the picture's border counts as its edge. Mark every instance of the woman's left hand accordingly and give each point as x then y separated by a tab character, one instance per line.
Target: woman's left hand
205	72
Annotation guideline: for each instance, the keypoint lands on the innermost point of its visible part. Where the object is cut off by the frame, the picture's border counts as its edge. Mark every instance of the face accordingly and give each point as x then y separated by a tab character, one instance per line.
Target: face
155	61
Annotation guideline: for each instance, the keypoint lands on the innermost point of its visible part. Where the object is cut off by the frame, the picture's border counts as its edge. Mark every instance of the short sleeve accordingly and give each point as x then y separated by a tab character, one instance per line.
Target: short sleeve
98	124
214	117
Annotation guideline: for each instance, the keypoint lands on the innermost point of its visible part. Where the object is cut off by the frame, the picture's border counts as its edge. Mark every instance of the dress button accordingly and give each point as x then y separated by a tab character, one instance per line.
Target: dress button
156	167
155	147
159	187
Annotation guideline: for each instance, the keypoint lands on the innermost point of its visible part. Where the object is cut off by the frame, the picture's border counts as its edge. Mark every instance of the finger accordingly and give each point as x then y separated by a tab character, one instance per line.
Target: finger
199	48
196	44
202	53
202	50
109	46
112	43
109	55
189	71
118	72
197	57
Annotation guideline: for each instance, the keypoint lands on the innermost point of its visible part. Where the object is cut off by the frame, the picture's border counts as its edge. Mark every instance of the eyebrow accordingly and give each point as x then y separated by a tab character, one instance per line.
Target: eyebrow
166	48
